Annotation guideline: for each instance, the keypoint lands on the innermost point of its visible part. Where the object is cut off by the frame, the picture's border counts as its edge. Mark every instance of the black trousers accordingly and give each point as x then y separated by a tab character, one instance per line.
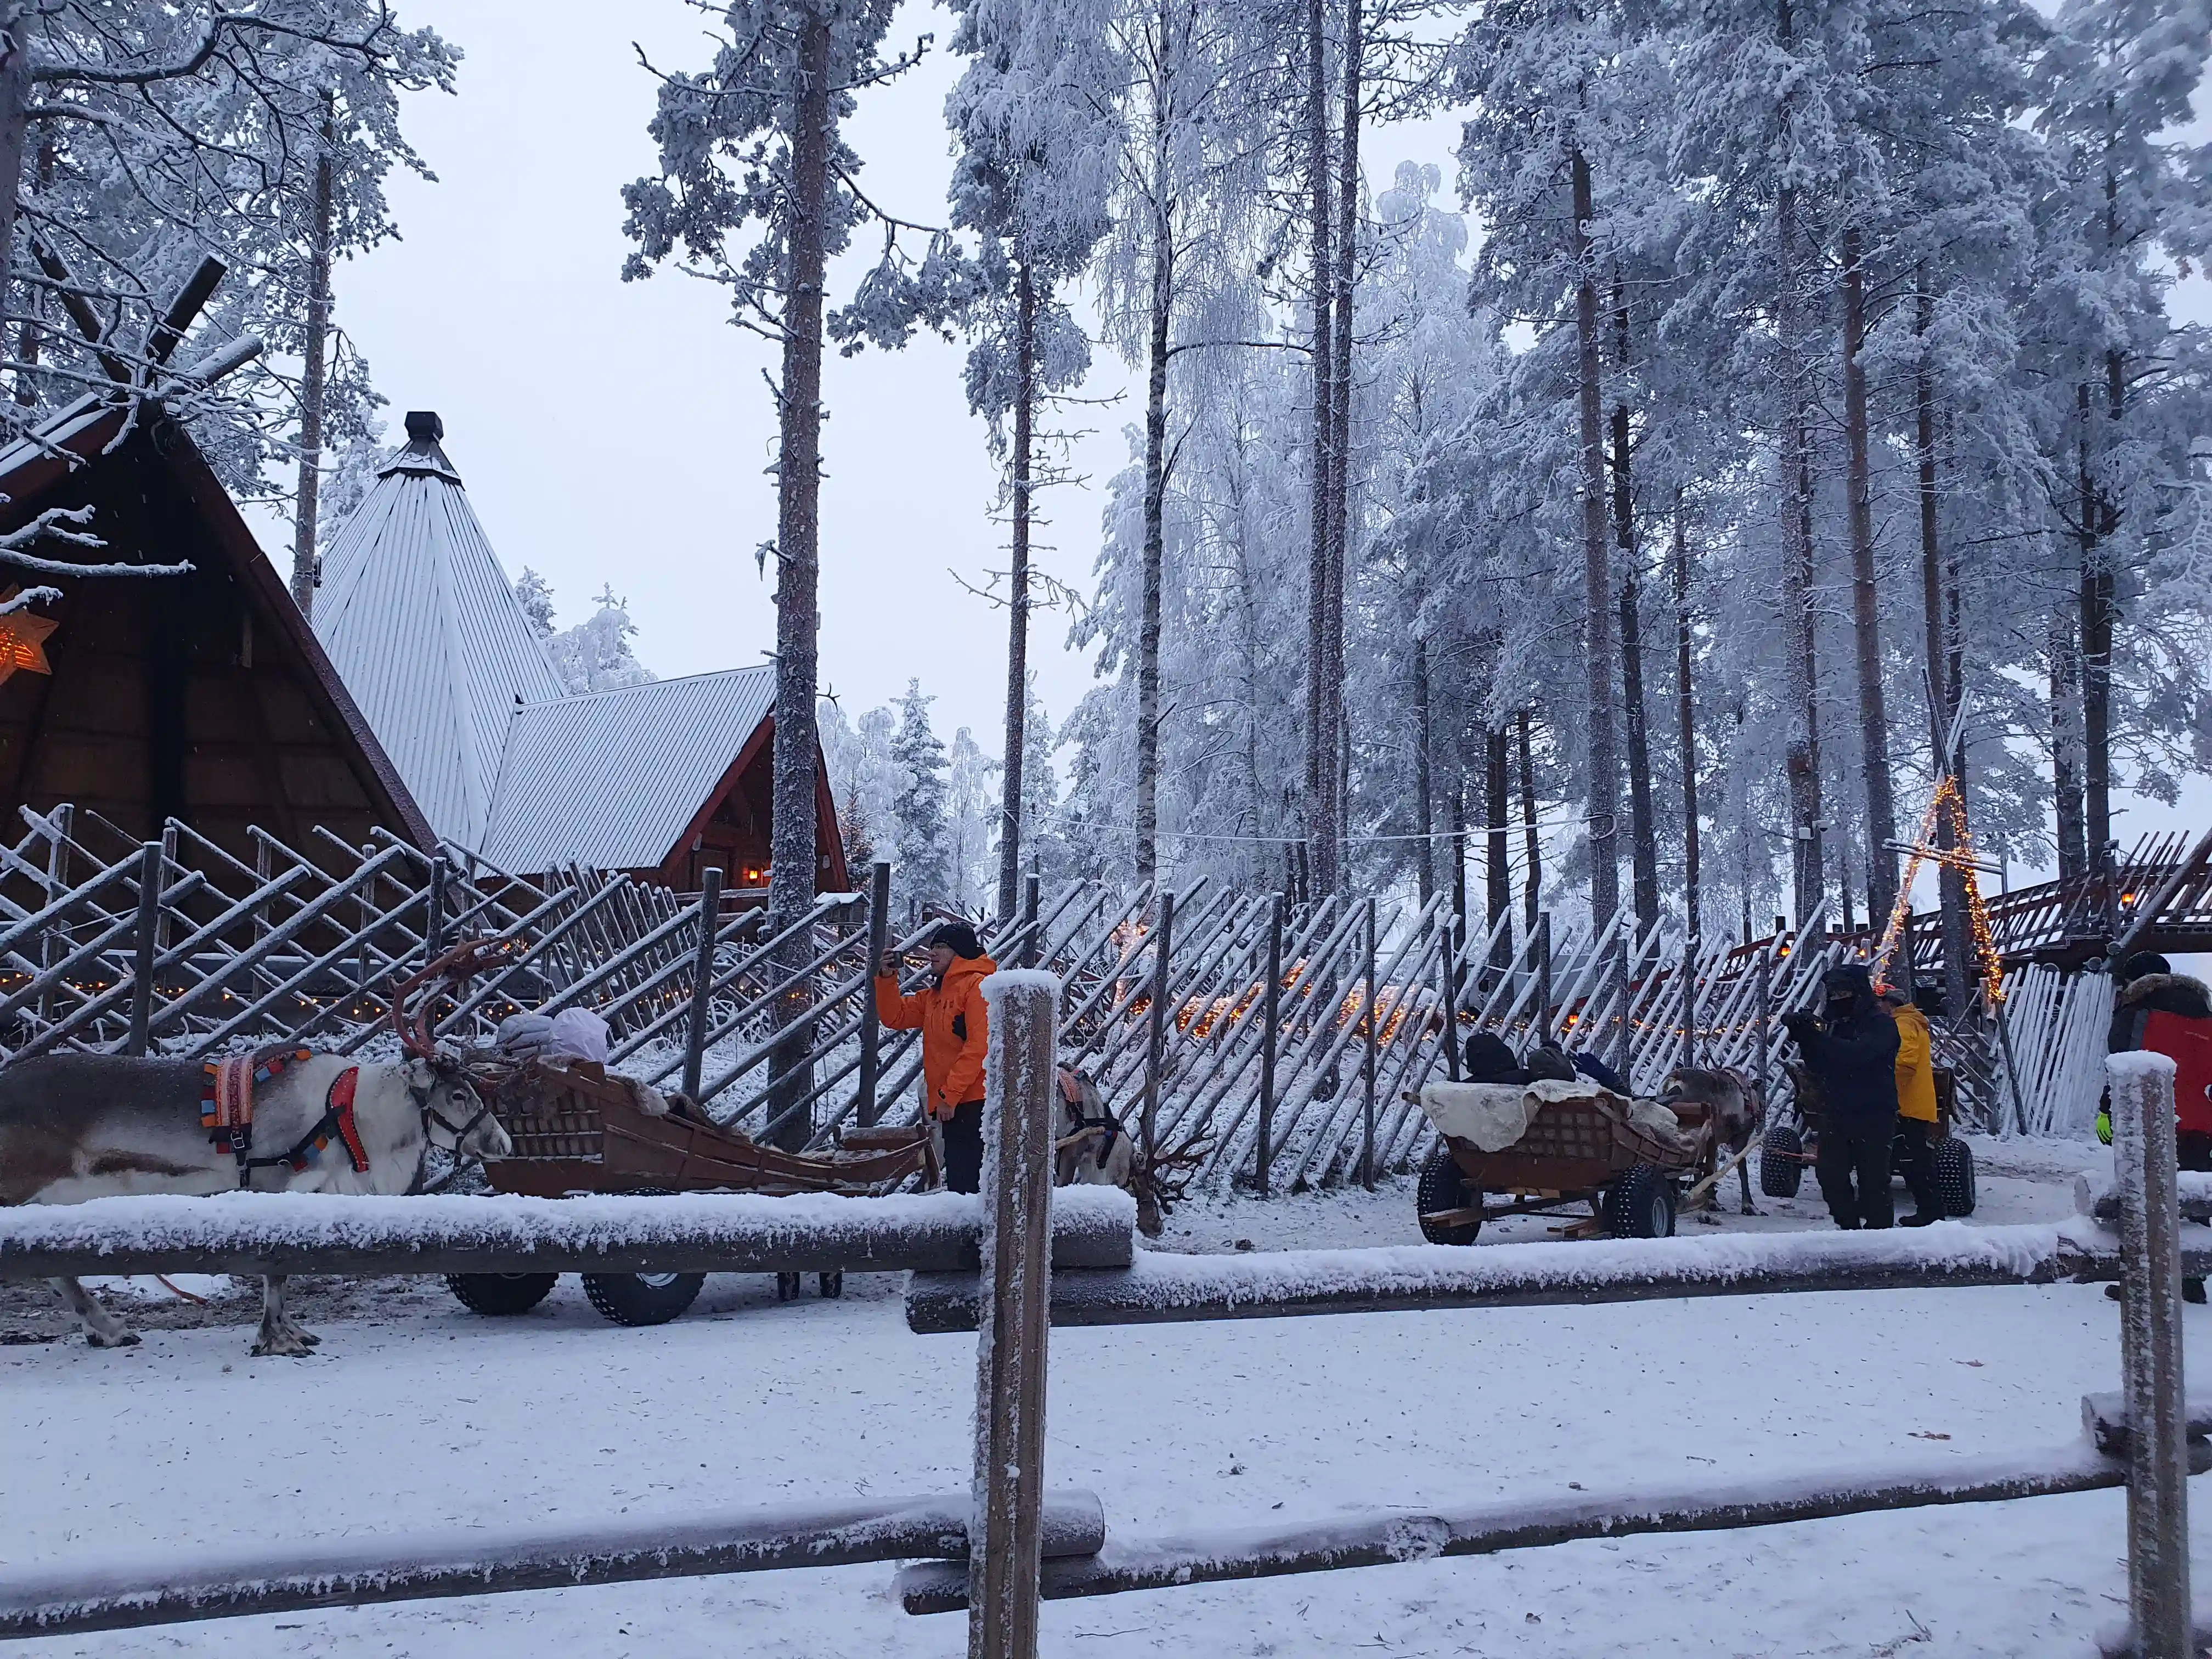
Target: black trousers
1856	1146
963	1148
1920	1165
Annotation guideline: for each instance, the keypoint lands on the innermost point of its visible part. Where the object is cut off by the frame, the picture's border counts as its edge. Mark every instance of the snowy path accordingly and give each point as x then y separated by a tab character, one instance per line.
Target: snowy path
420	1415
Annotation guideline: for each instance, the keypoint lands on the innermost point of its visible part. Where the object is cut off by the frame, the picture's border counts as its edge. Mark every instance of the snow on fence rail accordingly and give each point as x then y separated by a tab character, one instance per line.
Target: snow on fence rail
1299	1077
2149	1439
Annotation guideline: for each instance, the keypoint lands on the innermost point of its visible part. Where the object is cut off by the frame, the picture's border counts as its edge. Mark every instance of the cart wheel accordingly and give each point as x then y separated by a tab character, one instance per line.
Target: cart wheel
832	1286
1442	1187
1641	1205
787	1286
642	1298
1954	1177
1780	1172
498	1295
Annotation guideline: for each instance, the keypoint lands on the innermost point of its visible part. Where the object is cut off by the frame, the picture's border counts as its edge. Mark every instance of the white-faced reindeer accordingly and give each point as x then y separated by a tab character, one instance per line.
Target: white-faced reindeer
78	1127
1737	1109
1094	1150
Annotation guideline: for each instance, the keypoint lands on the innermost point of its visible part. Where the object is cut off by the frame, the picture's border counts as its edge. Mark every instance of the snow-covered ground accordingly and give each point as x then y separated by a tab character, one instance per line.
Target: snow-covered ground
416	1415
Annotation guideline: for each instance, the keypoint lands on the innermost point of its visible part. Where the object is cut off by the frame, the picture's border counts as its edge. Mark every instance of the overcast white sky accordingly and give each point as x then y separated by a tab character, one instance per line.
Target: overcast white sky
613	432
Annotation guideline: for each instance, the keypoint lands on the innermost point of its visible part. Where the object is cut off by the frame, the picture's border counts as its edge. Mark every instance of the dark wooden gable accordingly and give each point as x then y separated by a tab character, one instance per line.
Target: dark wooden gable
202	697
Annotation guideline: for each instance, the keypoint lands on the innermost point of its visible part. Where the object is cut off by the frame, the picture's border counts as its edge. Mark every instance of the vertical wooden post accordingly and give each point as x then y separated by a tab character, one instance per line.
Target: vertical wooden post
1156	1028
871	1031
1454	938
1032	944
1623	977
1005	1530
264	869
1689	1000
1367	1061
55	944
148	929
2150	1353
1760	1025
702	979
434	924
1543	976
168	857
1271	1027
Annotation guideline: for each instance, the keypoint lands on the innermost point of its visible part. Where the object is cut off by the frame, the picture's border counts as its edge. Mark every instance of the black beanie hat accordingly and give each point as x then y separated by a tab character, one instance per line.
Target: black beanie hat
959	936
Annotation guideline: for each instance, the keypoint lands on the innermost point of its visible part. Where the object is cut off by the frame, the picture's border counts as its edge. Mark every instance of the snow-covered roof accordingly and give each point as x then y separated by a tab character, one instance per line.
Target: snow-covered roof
423	625
611	779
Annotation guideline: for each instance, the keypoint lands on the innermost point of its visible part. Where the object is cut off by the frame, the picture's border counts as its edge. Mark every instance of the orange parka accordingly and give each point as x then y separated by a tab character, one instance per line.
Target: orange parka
956	1030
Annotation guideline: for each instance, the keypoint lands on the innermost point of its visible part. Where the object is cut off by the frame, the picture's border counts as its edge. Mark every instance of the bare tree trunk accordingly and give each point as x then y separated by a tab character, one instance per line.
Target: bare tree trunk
1424	771
314	350
1320	749
1802	762
1685	713
1018	618
30	340
1340	492
1156	491
1950	885
1643	823
1497	877
15	20
1604	774
2098	617
793	851
1866	600
1532	882
2066	742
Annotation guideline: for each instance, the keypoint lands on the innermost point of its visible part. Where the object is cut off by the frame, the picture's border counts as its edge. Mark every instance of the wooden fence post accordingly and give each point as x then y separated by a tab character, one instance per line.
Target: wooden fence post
53	945
434	924
702	979
1155	1025
1373	1012
1543	976
1005	1530
2150	1353
147	930
871	1031
1455	941
1689	1000
1765	1014
1271	1027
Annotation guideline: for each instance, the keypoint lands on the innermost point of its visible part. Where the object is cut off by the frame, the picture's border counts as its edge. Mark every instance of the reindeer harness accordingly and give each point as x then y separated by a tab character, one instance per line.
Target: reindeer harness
227	1112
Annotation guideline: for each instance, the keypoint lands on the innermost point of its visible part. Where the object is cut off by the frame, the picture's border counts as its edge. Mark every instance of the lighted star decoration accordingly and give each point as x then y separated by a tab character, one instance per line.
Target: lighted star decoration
23	639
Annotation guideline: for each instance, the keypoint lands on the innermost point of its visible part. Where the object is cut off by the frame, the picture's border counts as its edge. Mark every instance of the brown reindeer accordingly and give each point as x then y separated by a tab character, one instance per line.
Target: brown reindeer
1736	1108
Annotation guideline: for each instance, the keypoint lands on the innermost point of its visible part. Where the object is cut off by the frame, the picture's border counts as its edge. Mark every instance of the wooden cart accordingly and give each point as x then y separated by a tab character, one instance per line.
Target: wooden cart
576	1130
1582	1153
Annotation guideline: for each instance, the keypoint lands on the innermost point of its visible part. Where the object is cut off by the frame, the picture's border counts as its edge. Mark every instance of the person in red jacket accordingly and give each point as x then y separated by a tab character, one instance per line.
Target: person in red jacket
955	1033
2157	1011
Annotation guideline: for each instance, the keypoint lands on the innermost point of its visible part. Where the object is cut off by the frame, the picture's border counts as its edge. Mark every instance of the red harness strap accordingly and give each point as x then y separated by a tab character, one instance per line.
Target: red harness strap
337	1118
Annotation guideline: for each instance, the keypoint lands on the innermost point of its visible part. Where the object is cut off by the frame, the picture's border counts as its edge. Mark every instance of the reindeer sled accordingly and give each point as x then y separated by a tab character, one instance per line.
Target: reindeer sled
1552	1147
574	1129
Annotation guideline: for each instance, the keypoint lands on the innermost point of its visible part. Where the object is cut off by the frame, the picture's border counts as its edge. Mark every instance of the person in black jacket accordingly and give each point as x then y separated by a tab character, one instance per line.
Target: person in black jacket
1850	1051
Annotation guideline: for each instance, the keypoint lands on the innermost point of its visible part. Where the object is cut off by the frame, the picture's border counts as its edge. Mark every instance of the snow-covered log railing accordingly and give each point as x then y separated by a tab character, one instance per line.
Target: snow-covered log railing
120	1595
1369	1538
250	1233
1161	1287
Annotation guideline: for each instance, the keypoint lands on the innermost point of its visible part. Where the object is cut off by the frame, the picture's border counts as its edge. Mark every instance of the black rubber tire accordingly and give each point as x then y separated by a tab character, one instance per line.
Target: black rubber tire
1954	1176
1641	1204
1442	1187
642	1298
1780	1174
787	1286
831	1285
498	1296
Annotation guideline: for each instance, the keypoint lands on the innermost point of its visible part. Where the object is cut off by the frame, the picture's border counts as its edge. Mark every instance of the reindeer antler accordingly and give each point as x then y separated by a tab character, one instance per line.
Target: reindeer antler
450	972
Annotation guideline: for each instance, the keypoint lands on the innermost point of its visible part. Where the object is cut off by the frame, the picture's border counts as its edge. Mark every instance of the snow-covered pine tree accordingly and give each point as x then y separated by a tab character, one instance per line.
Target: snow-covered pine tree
922	871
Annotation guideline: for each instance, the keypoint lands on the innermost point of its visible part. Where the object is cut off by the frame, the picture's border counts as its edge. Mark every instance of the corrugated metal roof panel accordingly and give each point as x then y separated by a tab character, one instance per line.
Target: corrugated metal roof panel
423	625
611	779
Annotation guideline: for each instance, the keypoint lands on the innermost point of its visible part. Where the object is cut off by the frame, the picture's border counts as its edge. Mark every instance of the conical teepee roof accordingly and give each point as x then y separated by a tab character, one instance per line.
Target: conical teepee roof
424	626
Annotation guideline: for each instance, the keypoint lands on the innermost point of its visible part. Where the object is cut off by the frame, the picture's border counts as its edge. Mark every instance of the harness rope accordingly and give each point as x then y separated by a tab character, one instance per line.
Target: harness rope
227	1113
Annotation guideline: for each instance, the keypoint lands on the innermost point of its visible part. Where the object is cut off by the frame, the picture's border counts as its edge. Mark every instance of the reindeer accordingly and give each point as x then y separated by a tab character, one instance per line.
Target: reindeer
1736	1108
78	1127
1094	1150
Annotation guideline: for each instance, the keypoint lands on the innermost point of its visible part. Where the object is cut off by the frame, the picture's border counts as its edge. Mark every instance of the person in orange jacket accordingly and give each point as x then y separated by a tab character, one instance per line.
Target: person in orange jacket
955	1033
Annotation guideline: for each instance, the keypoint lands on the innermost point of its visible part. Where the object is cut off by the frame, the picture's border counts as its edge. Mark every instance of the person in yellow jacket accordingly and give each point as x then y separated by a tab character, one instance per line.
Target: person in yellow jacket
956	1034
1916	1106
